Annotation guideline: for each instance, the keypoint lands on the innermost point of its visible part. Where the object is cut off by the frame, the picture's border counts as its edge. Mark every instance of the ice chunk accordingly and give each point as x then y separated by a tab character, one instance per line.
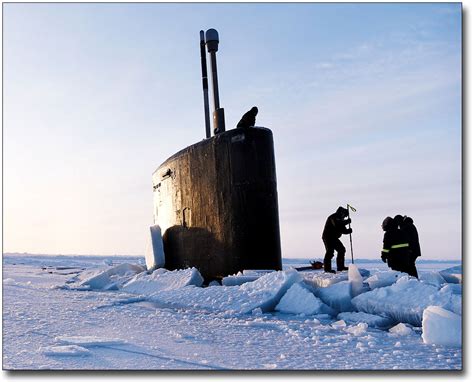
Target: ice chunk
357	330
65	350
238	280
299	300
339	324
371	320
441	327
112	278
263	293
162	279
431	277
356	280
338	296
155	255
383	279
452	275
323	279
405	300
89	341
400	330
452	288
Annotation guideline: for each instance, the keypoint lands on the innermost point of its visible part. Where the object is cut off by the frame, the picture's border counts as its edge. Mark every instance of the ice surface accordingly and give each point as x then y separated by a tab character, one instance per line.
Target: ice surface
405	300
441	327
299	300
371	320
65	350
112	278
162	279
453	274
431	277
383	279
263	293
154	255
451	288
338	296
322	279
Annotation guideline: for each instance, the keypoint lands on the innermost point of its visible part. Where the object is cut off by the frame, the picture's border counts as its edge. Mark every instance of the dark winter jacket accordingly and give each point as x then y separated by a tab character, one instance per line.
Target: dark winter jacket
411	233
248	119
396	249
336	225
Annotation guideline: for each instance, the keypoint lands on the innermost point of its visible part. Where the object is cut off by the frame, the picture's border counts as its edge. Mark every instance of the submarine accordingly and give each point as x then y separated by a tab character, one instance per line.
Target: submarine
215	202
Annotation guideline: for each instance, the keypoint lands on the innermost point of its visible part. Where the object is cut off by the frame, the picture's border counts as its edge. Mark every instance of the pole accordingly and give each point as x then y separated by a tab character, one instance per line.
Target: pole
349	207
205	85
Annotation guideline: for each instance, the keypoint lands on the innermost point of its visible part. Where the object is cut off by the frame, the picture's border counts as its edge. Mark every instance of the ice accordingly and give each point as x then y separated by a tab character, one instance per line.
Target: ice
161	279
89	341
323	279
401	330
338	296
263	293
357	330
431	277
441	327
452	275
452	288
371	320
112	278
405	300
299	300
356	280
383	279
238	280
154	255
65	350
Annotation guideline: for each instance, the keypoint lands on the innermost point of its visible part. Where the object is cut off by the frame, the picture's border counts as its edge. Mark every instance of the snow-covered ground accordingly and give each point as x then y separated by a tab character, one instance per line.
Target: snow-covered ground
78	312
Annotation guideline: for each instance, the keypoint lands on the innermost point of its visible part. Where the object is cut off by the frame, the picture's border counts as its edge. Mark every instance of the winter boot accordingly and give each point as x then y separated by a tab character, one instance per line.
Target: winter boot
327	266
340	269
340	264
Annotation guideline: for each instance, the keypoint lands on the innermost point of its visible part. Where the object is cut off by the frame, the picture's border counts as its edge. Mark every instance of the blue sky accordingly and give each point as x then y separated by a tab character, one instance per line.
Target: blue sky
364	101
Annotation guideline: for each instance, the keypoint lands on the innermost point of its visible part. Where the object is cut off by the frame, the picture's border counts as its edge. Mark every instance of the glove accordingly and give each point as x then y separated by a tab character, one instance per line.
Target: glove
384	258
348	221
349	230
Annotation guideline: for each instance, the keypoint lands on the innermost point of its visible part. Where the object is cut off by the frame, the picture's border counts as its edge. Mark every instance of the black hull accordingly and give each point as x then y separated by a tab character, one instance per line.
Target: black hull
217	205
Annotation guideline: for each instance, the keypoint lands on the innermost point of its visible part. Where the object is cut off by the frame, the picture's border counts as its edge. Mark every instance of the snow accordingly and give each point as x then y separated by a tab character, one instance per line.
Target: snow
441	327
401	330
405	300
298	300
107	312
161	279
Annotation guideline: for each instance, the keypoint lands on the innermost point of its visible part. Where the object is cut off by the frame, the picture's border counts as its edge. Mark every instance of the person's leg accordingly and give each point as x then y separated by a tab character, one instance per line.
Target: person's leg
341	254
328	255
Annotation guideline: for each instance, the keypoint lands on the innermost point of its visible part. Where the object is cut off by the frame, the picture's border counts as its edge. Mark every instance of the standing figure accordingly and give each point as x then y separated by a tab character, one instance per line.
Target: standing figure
248	119
411	233
333	229
396	249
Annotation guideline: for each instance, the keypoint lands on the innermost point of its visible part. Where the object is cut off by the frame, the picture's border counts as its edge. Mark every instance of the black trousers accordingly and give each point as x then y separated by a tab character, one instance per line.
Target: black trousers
331	246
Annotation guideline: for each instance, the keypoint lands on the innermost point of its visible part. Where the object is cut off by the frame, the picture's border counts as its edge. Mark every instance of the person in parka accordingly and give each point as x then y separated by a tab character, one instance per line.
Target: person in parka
248	119
396	249
411	233
334	228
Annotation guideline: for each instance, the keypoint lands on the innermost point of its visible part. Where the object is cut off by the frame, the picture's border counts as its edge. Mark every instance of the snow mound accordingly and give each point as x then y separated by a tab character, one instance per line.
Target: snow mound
431	277
383	279
371	320
162	279
441	327
112	278
401	330
299	300
65	350
405	300
338	296
452	275
89	341
263	293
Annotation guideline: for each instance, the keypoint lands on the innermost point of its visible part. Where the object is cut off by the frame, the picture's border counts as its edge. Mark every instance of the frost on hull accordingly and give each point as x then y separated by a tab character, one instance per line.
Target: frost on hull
217	205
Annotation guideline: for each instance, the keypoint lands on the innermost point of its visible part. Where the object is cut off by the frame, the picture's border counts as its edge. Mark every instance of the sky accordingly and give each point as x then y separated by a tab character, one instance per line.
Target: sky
364	101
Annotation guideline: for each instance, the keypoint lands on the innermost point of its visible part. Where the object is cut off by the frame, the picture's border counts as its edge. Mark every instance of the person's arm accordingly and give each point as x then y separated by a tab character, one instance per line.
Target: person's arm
386	248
